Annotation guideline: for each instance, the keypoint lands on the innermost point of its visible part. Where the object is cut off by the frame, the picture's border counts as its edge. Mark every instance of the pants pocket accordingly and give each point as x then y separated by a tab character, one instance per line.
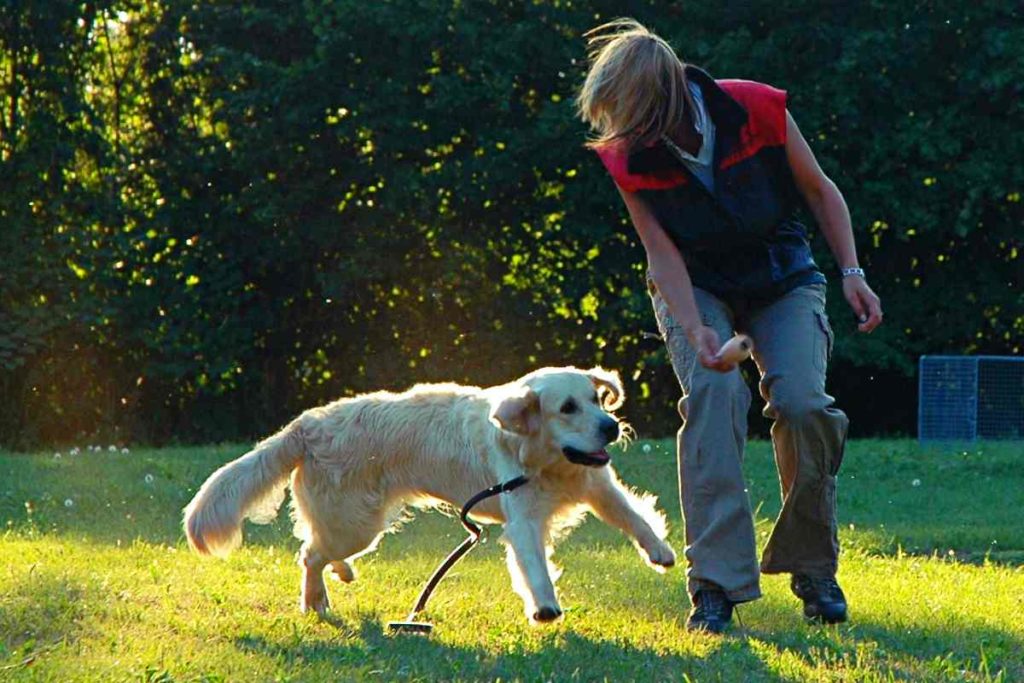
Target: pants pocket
824	341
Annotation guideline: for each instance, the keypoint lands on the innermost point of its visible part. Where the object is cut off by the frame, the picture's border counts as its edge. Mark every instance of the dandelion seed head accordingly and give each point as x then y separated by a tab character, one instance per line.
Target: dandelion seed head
916	482
646	448
148	478
68	503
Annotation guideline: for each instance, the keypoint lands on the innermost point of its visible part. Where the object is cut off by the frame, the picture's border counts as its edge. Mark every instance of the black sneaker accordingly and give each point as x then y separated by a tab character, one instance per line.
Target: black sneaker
824	601
712	611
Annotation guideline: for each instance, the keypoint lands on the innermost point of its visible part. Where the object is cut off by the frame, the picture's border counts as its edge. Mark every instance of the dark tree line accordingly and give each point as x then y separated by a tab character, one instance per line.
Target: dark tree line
214	214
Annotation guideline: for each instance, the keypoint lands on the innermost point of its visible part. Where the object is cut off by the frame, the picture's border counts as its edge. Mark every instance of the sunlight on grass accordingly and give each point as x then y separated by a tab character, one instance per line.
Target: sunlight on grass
88	593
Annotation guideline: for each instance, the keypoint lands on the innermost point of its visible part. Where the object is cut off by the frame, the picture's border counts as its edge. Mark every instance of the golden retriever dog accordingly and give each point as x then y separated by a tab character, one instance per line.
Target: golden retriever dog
355	463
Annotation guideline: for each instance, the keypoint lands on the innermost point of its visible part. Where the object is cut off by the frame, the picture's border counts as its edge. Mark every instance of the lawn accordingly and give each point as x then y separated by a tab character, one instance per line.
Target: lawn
97	584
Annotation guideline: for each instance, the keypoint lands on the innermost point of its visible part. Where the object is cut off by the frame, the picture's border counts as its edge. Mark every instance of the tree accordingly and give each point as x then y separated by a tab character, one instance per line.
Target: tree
216	214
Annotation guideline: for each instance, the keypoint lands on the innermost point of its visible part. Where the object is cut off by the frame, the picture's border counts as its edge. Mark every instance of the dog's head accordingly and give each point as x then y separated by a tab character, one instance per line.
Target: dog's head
563	413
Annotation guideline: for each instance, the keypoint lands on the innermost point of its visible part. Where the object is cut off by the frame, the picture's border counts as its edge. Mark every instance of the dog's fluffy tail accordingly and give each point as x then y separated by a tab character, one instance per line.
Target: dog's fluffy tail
252	486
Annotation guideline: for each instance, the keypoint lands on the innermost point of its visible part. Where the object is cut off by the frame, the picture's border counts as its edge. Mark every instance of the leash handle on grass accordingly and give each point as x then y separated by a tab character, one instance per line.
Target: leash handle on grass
474	536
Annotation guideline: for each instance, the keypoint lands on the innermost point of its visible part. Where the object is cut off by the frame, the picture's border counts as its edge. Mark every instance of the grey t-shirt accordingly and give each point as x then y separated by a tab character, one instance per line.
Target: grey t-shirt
700	165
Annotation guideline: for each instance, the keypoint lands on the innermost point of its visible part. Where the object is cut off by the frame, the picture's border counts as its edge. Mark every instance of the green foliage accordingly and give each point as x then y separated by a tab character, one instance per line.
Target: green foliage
215	214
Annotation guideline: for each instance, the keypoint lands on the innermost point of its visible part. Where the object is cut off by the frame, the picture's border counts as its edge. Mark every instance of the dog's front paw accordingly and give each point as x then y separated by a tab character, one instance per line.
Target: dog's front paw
662	555
547	614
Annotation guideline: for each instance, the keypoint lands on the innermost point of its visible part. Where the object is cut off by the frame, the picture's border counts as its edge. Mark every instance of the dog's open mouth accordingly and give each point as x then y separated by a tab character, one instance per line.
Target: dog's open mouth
596	459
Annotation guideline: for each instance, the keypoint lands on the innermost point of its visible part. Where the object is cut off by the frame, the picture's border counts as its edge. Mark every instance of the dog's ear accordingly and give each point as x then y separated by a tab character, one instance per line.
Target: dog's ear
518	413
609	387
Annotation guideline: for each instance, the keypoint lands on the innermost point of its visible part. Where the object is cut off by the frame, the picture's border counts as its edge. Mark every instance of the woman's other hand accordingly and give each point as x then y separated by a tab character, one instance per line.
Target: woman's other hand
865	303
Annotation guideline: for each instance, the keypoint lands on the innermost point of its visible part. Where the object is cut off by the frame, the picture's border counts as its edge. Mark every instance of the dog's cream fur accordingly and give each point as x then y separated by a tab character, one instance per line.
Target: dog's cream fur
356	462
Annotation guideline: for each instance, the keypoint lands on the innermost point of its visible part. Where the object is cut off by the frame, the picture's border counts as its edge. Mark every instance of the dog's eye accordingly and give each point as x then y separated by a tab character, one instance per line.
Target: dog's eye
569	407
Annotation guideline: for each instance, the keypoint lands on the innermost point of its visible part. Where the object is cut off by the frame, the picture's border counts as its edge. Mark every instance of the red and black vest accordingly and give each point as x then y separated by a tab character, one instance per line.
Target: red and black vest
742	237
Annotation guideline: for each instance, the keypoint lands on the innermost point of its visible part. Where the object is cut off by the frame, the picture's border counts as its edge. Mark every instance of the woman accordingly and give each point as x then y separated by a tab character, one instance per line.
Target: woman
712	173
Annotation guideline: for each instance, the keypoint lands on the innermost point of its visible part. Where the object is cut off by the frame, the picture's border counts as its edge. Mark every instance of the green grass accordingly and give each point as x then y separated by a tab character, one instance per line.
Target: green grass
104	589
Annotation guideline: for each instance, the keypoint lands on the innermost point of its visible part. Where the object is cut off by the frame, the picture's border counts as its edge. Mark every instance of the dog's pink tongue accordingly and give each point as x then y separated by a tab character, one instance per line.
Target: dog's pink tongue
601	454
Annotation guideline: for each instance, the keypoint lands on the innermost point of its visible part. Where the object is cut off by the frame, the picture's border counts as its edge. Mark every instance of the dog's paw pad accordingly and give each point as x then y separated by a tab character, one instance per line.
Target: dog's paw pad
546	614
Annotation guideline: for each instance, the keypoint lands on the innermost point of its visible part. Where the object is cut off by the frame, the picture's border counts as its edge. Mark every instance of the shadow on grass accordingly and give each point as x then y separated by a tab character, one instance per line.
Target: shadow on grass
37	611
747	653
954	650
562	655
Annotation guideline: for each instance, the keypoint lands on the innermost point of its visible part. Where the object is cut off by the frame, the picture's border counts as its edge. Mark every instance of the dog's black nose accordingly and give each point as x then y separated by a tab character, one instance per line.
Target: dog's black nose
609	429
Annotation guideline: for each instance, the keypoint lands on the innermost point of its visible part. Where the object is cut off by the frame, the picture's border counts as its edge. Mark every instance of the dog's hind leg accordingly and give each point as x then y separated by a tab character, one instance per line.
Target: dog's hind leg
337	524
314	559
343	571
314	592
350	532
351	536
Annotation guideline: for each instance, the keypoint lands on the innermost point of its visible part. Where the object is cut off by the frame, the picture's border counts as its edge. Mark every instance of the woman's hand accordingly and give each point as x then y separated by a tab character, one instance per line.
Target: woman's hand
829	208
864	302
707	343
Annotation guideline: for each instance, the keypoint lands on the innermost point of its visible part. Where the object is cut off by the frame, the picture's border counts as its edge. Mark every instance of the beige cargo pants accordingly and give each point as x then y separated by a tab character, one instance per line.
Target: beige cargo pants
792	346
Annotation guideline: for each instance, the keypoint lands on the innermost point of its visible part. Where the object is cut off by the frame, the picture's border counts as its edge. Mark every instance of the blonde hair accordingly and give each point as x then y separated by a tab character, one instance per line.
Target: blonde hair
635	89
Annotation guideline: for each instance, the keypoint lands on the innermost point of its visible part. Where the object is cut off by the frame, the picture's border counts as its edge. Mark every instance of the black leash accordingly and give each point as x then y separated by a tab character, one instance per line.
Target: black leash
475	533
